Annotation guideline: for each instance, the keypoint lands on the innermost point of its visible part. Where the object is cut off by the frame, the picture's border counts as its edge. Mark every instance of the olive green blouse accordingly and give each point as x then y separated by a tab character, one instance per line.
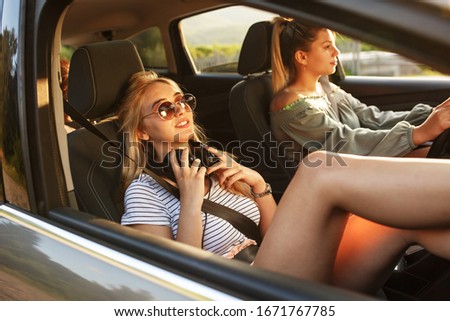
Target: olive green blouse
311	123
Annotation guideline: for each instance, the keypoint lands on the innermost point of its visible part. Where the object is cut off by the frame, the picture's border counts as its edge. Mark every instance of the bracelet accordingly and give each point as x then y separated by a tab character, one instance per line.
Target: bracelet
267	191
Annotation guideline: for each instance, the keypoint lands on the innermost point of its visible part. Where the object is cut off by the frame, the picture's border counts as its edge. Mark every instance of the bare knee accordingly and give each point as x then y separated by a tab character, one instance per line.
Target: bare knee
315	169
308	171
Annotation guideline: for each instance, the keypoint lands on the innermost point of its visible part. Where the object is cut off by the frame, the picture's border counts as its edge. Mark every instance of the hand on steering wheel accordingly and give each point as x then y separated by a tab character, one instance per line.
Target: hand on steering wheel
441	146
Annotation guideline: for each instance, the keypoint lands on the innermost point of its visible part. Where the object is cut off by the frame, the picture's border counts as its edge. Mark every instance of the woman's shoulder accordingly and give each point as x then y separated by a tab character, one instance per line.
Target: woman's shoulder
144	182
143	179
283	99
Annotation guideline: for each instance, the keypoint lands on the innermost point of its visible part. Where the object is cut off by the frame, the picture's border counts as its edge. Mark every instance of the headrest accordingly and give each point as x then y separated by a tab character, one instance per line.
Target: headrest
98	75
255	52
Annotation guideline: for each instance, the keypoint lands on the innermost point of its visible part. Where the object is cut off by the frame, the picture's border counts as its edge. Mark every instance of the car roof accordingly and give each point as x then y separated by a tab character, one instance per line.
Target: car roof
88	21
424	25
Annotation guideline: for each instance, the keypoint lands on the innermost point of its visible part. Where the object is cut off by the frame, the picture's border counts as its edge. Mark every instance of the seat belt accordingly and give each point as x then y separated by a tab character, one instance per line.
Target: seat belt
238	220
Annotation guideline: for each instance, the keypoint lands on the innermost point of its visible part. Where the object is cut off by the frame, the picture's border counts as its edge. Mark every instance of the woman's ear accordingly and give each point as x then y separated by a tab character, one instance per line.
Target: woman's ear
142	135
300	57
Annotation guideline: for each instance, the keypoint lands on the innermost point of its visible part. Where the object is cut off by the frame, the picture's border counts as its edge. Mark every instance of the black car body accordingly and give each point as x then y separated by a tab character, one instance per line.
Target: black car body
55	249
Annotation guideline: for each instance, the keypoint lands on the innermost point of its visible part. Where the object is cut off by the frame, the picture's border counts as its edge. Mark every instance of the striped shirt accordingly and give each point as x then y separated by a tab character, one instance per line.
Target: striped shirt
147	202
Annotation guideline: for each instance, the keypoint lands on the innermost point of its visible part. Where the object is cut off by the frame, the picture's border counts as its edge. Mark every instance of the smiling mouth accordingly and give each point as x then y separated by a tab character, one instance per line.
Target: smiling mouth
182	124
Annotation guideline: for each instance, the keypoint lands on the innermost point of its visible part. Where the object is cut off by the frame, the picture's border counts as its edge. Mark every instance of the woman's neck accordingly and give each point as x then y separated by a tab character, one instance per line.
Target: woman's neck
307	85
163	148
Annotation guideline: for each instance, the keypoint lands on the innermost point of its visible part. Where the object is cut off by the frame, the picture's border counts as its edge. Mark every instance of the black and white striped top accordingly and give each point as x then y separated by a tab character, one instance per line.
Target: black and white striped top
147	202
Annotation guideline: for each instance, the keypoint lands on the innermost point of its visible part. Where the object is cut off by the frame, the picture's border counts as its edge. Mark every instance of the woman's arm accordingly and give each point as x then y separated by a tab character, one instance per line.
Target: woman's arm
163	231
312	128
191	183
430	122
145	208
267	207
371	117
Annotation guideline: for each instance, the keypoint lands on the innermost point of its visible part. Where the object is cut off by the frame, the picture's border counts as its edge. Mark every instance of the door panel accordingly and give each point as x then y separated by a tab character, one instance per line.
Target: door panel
41	261
389	93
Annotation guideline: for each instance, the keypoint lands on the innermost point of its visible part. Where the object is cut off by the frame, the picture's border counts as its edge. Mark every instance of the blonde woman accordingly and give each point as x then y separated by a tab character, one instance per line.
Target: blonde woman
311	234
301	111
155	113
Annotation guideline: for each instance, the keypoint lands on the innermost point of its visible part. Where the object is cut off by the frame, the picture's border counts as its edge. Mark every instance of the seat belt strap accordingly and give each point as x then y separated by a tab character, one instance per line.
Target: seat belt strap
82	121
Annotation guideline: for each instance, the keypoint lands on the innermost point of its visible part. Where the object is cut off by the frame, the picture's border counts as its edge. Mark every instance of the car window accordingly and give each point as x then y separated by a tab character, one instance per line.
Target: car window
150	47
362	59
214	39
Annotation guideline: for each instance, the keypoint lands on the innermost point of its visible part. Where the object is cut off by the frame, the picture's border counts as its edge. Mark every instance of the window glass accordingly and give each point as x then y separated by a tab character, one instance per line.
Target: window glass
362	59
214	39
2	192
150	47
13	158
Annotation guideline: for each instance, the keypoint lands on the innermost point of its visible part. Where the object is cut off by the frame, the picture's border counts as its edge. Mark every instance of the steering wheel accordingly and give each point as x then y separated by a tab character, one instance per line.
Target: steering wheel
441	146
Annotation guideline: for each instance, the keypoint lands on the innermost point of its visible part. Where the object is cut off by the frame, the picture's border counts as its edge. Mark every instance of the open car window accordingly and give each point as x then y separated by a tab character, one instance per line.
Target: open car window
150	47
218	49
363	59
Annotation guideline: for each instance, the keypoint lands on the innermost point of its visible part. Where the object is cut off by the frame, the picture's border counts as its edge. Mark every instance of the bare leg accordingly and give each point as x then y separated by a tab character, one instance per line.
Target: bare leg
310	220
367	255
369	251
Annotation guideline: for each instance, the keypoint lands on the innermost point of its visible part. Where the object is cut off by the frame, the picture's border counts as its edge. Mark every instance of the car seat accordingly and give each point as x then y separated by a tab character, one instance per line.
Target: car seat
97	77
249	110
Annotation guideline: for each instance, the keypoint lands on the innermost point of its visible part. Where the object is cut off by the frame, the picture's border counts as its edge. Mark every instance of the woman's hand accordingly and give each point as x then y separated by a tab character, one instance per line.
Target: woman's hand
190	180
229	172
434	125
191	183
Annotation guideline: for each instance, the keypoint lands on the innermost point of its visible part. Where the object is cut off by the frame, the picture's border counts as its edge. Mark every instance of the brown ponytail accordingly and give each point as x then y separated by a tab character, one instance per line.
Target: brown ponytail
280	75
288	36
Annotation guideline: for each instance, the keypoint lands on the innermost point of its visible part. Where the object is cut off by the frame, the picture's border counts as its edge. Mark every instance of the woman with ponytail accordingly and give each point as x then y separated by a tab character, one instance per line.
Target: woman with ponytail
302	112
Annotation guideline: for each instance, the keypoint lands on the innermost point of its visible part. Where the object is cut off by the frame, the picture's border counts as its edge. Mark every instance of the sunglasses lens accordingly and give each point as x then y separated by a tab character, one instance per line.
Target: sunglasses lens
166	110
189	101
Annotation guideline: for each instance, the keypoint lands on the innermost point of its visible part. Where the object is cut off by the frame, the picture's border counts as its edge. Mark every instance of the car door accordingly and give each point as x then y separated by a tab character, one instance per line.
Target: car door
42	257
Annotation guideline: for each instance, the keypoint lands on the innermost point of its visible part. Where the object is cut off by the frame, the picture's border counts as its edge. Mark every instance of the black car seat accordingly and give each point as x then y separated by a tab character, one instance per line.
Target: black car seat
249	110
97	77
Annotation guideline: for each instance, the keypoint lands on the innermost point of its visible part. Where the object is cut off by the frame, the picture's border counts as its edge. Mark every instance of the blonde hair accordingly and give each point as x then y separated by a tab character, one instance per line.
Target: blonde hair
288	36
130	115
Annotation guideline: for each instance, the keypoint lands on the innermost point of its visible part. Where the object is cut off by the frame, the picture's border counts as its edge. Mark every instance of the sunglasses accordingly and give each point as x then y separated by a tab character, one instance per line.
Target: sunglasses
167	110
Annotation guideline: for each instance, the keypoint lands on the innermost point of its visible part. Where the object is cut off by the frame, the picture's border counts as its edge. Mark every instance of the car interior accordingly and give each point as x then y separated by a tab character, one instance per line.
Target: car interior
100	68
